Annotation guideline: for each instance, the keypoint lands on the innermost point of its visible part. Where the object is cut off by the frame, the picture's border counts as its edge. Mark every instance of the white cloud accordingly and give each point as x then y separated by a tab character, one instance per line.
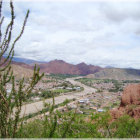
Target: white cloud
101	33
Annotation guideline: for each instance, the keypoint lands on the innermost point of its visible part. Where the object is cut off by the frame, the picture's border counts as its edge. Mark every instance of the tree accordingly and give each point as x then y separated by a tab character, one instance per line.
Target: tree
10	104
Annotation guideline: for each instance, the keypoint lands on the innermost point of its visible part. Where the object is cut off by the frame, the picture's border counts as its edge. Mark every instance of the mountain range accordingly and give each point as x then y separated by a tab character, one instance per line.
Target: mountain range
25	67
61	67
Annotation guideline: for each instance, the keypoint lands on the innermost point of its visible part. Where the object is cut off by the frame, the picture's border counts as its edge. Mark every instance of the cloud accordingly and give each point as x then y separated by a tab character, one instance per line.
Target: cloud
122	11
100	33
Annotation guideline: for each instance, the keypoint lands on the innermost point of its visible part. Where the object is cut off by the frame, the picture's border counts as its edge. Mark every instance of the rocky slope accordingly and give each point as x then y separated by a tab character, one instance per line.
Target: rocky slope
130	102
20	71
117	73
61	67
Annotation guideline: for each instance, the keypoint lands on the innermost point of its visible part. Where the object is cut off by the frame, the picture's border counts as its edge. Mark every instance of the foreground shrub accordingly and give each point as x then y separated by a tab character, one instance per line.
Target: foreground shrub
71	125
11	103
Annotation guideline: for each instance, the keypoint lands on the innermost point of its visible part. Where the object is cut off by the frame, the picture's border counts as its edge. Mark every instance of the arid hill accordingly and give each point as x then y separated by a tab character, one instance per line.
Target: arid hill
22	65
87	69
116	73
58	67
61	67
130	102
20	71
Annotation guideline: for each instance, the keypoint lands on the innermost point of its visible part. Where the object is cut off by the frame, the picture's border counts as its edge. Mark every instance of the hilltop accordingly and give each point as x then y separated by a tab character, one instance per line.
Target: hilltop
116	73
62	67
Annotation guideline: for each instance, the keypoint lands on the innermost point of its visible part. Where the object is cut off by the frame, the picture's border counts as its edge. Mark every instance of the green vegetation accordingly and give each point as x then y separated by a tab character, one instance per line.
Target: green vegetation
118	84
131	81
99	90
56	124
86	81
45	94
71	125
48	81
61	76
50	93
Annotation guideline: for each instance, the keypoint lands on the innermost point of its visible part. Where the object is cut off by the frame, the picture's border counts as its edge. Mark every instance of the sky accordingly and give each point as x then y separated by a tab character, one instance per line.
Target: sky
104	33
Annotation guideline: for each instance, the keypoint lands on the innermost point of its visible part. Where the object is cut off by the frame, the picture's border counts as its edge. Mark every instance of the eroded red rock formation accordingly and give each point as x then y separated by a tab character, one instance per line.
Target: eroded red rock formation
130	103
61	67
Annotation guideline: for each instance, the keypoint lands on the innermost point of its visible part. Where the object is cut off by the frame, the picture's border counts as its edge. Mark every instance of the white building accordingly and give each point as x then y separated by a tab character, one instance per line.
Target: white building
100	110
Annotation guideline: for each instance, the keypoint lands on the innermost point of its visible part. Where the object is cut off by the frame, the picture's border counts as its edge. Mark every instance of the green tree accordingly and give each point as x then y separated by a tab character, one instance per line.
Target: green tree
10	104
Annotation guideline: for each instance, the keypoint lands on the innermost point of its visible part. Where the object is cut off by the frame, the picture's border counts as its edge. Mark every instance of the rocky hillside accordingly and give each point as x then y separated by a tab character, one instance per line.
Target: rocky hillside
24	65
61	67
20	71
116	73
87	69
130	102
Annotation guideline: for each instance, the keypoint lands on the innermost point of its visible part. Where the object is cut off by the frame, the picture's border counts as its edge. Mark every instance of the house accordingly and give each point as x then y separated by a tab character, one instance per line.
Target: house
69	88
84	101
77	88
100	110
81	101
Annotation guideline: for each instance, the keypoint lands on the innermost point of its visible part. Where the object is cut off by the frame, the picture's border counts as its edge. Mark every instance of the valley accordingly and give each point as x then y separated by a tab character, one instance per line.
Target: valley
87	95
93	94
69	69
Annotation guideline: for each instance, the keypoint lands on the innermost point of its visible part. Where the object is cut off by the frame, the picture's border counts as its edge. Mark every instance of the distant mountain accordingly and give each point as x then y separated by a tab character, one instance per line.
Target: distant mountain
116	73
27	61
87	69
61	67
57	67
109	67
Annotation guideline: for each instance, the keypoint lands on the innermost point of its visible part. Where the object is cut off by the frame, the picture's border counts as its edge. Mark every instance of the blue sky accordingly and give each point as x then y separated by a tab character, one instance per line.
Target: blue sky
95	32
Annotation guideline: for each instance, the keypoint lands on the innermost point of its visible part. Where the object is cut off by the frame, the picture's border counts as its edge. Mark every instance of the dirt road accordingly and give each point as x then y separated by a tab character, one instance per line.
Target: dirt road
38	106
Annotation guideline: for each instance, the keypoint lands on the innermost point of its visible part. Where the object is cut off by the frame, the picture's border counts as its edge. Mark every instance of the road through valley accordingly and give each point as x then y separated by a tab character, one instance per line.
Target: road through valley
38	106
